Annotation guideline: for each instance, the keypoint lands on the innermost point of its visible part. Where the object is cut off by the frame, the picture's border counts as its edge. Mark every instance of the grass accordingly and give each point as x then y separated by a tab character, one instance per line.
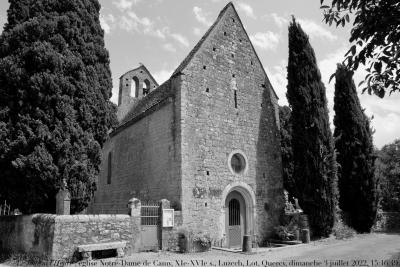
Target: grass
23	259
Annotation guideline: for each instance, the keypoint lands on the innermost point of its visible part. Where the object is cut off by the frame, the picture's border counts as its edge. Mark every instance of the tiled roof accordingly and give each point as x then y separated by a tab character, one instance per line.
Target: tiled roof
146	103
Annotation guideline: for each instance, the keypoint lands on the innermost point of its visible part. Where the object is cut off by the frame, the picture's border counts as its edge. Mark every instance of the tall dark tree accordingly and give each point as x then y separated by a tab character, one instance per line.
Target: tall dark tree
55	113
388	173
313	149
353	142
286	148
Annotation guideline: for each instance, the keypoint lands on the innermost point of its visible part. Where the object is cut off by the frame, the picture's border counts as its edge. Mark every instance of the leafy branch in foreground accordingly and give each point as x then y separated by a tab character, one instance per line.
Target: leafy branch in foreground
375	39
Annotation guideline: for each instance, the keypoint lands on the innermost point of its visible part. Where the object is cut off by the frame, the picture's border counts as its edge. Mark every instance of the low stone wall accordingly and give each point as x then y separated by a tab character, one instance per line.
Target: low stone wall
57	236
73	230
387	222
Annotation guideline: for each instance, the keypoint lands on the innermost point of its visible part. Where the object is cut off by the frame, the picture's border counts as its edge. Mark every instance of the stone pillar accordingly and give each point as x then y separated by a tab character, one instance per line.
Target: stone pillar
164	232
247	246
134	206
305	235
63	202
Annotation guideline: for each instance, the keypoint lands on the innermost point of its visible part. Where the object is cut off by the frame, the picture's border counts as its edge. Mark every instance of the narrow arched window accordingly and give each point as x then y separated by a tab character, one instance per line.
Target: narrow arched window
109	167
235	98
134	87
146	87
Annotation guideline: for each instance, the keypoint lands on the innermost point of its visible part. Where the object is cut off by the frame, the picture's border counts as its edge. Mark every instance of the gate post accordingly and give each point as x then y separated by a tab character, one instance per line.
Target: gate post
163	232
134	206
63	202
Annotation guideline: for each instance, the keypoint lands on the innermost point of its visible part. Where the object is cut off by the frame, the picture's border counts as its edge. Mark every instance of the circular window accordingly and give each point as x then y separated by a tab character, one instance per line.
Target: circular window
237	162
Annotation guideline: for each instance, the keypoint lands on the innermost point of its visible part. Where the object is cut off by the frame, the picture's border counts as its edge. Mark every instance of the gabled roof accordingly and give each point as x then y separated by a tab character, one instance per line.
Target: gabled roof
150	100
164	91
146	104
197	47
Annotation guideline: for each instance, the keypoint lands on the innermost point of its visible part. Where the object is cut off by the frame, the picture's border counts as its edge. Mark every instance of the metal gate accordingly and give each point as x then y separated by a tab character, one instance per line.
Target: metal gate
234	224
150	225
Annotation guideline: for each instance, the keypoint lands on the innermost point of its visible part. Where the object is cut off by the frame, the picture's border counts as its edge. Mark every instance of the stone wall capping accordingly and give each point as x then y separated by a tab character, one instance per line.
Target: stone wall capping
43	216
121	216
65	218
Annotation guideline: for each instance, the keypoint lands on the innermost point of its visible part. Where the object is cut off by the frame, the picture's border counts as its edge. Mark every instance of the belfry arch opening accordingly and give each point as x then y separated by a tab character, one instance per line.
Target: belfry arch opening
146	87
134	87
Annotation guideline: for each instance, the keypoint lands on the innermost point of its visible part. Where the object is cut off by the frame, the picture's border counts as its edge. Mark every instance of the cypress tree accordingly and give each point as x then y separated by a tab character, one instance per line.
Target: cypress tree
286	149
353	142
55	113
312	143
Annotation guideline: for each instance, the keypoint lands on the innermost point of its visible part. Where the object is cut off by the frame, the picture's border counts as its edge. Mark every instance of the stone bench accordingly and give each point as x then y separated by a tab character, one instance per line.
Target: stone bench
86	250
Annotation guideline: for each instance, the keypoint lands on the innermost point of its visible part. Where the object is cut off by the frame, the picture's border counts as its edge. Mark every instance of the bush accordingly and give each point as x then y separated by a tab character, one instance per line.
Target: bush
284	233
23	259
342	231
204	240
190	242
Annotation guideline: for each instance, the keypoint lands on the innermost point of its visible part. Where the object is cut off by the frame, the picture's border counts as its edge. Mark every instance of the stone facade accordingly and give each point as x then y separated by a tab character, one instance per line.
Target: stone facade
185	140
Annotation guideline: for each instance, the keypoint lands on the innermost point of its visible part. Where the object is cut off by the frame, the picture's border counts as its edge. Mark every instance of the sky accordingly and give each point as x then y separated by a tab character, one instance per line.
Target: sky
160	33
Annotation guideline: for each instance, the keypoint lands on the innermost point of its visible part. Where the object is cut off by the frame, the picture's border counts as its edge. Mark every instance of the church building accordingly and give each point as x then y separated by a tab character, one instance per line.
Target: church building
207	140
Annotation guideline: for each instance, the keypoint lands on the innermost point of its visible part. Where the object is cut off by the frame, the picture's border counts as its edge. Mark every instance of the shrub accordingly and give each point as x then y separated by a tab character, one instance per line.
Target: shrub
203	239
342	231
284	233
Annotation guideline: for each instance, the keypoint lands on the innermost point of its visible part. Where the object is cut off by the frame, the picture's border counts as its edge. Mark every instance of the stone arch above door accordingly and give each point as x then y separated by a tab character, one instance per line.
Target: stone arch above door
250	206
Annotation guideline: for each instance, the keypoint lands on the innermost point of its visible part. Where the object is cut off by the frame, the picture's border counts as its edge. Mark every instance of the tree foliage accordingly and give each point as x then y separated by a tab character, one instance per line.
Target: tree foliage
353	142
312	143
375	36
388	165
286	149
55	113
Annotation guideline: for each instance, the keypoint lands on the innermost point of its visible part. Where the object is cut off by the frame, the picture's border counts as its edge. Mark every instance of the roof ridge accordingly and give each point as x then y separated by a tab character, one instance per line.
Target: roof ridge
196	48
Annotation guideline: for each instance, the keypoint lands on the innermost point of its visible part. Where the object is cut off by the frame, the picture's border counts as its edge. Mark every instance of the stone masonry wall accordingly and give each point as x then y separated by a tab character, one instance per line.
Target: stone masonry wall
57	236
131	86
126	81
212	128
73	230
144	163
170	236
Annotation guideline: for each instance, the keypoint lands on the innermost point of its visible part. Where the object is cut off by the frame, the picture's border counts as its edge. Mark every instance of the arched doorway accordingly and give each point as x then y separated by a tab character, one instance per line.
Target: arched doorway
237	198
235	221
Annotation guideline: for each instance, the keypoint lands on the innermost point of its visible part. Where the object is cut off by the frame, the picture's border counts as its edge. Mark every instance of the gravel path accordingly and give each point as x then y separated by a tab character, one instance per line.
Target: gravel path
363	250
